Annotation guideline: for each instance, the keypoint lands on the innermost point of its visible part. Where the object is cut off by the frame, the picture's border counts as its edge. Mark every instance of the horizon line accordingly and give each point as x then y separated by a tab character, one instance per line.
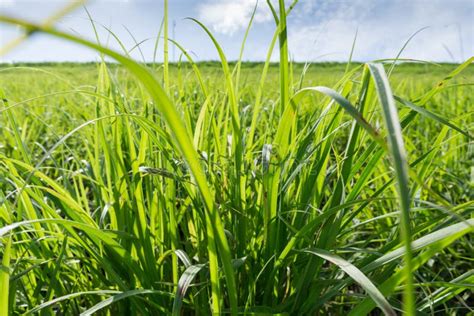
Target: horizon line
216	61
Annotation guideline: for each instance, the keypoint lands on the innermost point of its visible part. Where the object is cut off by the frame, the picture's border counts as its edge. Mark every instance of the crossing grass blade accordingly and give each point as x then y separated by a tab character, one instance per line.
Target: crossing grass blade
399	159
432	115
357	276
117	298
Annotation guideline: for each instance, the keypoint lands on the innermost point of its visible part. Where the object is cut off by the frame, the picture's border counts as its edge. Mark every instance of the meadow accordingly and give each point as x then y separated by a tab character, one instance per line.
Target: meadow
235	188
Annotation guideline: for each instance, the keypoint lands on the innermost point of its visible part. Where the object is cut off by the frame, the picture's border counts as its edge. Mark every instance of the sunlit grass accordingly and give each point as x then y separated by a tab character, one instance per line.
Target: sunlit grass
196	188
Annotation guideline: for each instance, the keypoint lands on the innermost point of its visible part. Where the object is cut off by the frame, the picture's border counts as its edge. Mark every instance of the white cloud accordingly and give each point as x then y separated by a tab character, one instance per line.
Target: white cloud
6	3
327	30
229	16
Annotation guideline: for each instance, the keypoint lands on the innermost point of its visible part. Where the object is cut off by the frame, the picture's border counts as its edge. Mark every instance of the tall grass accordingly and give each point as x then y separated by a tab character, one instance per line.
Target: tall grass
170	190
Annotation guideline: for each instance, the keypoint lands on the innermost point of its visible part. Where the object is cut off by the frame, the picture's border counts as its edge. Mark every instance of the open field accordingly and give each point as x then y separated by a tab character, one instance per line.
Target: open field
236	188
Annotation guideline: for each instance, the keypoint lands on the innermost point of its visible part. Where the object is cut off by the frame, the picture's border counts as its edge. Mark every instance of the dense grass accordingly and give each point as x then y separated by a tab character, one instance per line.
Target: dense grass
196	188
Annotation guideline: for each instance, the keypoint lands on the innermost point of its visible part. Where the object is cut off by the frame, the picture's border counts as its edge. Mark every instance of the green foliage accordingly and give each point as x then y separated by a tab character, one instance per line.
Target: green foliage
232	187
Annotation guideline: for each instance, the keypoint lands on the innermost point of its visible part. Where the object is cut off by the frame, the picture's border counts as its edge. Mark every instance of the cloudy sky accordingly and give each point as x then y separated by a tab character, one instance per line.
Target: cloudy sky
319	30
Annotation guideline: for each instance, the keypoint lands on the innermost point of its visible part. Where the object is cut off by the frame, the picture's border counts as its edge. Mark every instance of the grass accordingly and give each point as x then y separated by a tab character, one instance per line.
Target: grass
199	188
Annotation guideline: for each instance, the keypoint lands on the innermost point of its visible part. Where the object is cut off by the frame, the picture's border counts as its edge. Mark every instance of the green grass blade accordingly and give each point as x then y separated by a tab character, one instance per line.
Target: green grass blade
183	285
422	242
119	297
284	71
5	278
357	276
440	86
166	78
432	115
347	106
399	160
67	297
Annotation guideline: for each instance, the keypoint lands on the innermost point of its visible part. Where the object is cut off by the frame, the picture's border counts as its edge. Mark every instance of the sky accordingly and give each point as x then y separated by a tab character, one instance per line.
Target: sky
318	30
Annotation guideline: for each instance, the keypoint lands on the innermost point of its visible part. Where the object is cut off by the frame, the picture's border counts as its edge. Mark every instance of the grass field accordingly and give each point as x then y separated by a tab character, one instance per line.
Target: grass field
236	188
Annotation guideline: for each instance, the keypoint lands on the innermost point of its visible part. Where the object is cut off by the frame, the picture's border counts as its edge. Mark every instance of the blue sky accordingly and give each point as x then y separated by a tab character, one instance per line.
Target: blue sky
319	30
